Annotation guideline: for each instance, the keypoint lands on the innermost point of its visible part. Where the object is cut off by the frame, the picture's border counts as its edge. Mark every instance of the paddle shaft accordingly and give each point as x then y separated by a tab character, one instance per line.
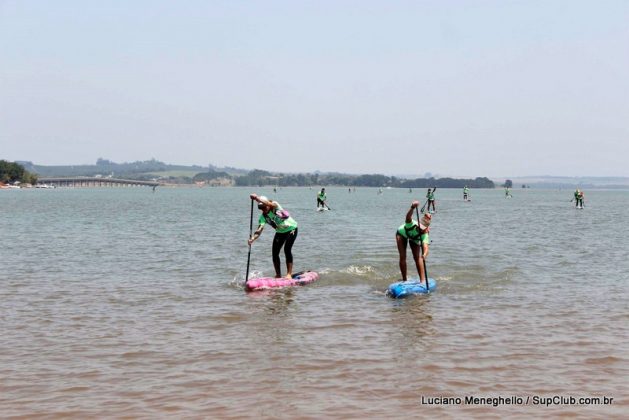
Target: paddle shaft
250	233
425	268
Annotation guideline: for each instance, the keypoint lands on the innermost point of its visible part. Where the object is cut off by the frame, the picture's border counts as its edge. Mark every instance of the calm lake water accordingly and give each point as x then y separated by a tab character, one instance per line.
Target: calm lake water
123	302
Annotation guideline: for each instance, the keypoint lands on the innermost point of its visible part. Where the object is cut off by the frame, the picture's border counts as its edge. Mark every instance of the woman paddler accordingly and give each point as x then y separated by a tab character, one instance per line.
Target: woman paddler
285	232
321	197
430	195
417	234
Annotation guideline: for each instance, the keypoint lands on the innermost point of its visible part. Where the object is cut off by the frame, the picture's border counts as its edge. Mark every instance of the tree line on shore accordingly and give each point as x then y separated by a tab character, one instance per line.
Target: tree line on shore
150	170
259	177
11	172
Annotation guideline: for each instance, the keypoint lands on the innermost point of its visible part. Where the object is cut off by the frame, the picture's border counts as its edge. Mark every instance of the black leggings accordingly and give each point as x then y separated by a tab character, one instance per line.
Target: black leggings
278	242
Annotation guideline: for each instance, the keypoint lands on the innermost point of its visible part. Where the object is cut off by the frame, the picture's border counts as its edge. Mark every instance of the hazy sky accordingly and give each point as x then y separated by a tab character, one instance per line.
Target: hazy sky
462	88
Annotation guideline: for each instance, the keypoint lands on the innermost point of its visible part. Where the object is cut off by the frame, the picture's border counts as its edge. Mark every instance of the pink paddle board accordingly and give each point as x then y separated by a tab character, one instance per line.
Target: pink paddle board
299	279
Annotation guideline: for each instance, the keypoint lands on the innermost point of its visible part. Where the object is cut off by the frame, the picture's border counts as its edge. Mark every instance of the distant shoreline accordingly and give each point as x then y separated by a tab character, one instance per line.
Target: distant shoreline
168	174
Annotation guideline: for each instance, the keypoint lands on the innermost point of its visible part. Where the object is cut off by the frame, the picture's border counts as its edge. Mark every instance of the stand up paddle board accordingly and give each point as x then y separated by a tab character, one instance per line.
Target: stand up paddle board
322	209
402	289
299	279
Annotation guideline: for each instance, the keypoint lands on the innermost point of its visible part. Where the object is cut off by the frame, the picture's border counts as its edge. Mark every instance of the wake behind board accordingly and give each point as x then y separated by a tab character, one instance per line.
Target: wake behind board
299	279
402	289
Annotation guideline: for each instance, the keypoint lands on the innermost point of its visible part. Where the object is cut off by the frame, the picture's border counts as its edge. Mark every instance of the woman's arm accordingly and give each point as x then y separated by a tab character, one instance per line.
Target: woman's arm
409	213
256	234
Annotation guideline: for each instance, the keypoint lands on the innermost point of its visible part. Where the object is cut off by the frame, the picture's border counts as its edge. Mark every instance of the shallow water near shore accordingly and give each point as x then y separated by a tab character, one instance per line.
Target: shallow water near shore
124	302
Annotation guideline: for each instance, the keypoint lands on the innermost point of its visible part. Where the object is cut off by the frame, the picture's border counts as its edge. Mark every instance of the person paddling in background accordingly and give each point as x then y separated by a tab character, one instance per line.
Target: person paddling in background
466	191
508	192
321	197
417	234
430	195
578	197
285	232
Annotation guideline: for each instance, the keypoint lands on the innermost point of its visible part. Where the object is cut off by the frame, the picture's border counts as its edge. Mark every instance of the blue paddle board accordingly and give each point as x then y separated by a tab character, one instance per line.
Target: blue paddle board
402	289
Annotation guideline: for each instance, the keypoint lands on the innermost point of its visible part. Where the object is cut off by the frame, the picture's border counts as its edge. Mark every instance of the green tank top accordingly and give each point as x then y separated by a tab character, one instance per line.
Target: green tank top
280	225
430	196
321	196
411	232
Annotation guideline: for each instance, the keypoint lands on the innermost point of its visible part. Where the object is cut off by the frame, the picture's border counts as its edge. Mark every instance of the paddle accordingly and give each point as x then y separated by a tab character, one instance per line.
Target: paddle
250	233
326	204
425	271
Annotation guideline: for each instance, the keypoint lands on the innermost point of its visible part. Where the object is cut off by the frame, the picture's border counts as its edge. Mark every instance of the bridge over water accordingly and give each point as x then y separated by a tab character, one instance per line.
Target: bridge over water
83	181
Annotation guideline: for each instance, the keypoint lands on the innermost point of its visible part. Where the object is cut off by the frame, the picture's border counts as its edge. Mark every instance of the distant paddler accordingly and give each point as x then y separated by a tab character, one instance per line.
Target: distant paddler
321	198
430	196
285	232
508	192
466	192
578	197
417	234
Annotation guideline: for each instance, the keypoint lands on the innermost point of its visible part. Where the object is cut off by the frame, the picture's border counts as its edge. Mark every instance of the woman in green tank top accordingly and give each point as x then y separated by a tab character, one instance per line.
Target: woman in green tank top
321	197
285	232
417	234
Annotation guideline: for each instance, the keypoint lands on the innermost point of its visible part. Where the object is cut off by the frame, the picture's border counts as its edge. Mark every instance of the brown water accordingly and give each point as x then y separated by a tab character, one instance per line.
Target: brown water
125	303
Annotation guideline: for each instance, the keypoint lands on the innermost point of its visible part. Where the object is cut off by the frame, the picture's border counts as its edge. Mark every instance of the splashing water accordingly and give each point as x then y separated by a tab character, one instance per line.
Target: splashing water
239	279
359	270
